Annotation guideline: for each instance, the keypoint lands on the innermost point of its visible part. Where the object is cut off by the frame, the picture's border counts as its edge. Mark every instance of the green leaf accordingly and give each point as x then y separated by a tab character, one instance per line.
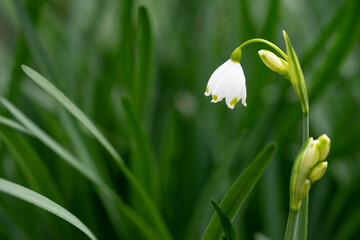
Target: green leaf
156	220
33	41
142	84
125	210
239	191
142	163
12	124
346	39
72	108
44	203
229	230
33	168
296	75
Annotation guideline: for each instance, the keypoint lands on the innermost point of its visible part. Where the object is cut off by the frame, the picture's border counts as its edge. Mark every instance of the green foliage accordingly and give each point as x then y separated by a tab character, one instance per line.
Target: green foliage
120	134
43	202
229	230
238	192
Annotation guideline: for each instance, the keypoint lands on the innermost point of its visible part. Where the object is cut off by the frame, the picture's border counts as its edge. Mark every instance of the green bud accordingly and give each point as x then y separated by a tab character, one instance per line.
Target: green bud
236	55
299	184
311	156
308	168
274	63
318	171
324	146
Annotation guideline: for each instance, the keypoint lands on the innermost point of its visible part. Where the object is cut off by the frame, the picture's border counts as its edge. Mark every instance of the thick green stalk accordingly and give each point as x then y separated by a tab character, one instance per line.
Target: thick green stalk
291	225
297	223
304	208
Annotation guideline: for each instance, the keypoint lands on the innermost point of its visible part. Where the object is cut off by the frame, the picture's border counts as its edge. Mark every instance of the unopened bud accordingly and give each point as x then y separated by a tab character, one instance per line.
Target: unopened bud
274	63
308	168
318	172
324	147
311	156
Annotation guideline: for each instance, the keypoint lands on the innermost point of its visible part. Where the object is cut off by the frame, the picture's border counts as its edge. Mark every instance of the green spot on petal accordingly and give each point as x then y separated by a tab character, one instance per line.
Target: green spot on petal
233	101
214	97
207	90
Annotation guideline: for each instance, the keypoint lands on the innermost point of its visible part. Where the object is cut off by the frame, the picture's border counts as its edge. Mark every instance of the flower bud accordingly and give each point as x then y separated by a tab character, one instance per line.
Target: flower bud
274	63
318	172
308	168
324	147
311	156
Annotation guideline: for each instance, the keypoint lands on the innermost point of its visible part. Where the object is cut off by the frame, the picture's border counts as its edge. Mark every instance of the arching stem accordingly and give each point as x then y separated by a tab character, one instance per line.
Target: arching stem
266	42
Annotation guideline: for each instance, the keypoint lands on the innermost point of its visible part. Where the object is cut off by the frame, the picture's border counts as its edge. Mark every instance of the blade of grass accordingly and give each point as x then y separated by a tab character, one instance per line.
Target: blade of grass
143	165
157	220
10	221
240	190
345	41
21	50
212	189
44	203
12	124
33	42
229	230
73	109
35	171
144	60
323	37
132	216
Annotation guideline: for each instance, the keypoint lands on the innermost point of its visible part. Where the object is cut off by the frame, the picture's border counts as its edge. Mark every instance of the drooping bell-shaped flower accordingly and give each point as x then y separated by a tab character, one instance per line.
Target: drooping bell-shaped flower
228	81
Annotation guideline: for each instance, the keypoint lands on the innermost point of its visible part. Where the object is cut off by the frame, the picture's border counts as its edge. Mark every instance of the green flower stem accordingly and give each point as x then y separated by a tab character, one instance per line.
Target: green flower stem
291	225
304	208
297	223
263	41
305	127
302	228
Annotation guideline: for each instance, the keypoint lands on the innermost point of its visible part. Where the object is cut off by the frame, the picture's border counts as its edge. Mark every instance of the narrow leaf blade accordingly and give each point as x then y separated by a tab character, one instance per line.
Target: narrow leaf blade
72	108
240	190
229	230
36	199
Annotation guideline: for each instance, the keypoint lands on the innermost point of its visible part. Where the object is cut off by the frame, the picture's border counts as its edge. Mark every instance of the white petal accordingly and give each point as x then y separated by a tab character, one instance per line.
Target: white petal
241	80
224	82
214	79
236	84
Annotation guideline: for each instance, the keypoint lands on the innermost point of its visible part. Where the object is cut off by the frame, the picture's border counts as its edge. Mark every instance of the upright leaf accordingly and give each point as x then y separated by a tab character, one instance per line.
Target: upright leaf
239	191
229	230
142	161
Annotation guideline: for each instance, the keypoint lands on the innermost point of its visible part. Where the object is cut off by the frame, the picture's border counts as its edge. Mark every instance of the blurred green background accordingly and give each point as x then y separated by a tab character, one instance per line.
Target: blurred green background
139	69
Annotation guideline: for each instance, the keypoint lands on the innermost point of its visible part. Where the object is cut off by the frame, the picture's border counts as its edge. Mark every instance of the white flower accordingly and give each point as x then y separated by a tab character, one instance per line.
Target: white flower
228	81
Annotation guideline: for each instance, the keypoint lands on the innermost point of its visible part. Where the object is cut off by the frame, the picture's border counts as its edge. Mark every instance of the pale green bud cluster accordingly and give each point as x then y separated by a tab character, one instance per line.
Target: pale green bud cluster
308	168
275	63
